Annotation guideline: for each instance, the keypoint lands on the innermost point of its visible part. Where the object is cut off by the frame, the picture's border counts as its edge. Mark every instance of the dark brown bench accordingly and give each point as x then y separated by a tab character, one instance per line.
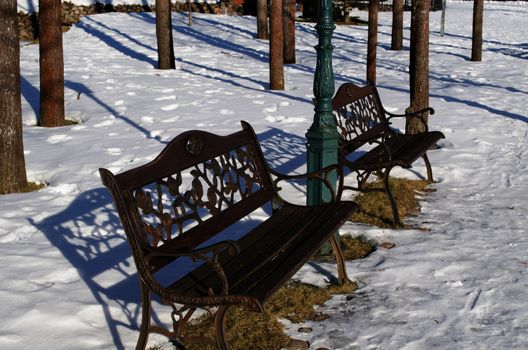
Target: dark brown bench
185	203
361	121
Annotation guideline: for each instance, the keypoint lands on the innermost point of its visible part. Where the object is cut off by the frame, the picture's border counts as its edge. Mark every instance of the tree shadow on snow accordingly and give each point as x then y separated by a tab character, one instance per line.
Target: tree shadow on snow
82	89
32	95
113	43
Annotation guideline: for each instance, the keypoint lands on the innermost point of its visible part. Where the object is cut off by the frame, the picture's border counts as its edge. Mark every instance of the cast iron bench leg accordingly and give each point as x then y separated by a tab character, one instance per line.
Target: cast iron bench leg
220	327
340	260
429	169
395	215
145	318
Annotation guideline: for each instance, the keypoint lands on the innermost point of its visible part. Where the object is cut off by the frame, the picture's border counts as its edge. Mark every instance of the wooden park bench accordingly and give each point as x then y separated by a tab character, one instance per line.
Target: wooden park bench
178	212
362	120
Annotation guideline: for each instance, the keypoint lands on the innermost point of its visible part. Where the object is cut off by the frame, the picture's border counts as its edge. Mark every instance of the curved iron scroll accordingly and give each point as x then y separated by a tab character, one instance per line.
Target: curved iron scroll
172	205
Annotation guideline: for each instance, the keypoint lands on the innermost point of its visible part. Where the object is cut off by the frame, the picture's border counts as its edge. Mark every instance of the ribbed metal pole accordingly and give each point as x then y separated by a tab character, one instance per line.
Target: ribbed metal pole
322	136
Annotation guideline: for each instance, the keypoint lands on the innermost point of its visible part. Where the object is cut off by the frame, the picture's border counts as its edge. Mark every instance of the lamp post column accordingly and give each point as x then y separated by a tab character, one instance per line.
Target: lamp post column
322	135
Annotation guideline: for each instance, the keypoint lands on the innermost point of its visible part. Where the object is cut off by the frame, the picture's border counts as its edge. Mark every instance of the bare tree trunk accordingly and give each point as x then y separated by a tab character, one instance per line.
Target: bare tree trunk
262	19
346	11
51	64
397	25
288	28
372	40
276	46
478	13
189	3
419	65
310	9
164	35
12	164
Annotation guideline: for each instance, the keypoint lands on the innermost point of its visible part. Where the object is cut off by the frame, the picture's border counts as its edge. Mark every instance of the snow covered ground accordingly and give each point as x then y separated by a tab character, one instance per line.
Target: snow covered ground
67	277
33	5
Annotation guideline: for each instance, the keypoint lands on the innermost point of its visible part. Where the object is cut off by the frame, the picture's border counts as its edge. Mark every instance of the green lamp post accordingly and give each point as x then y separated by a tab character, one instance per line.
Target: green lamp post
322	136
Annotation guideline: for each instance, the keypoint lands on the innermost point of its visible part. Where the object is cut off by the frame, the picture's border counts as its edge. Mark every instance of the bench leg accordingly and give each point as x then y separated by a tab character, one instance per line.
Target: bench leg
395	215
145	318
340	260
220	327
429	169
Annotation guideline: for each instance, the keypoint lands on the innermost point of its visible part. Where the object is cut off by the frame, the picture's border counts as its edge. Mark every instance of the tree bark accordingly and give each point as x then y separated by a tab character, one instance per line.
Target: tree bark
372	40
276	57
347	8
164	35
288	27
310	9
397	25
51	64
189	4
419	65
478	13
12	166
262	19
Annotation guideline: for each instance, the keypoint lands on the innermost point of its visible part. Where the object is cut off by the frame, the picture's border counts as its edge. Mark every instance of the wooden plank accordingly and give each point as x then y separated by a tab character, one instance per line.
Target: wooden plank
264	282
264	238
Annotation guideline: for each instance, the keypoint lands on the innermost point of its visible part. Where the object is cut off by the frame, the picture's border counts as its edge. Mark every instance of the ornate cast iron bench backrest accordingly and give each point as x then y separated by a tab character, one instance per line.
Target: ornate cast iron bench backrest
190	192
359	115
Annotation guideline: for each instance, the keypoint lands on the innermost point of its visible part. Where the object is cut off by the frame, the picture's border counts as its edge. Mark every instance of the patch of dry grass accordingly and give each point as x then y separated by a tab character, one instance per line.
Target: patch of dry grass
250	330
357	247
375	208
33	186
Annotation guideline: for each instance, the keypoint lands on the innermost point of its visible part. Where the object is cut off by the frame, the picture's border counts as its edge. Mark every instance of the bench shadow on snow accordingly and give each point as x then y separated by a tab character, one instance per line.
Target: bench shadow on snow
89	235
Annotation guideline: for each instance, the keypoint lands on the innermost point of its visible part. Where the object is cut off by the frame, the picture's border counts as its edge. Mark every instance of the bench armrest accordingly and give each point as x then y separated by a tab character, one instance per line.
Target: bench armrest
321	175
204	254
417	114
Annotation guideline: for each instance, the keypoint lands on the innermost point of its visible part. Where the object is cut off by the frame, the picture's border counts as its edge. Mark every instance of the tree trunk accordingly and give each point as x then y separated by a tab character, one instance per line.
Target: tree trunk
189	4
347	8
372	40
442	18
310	9
478	13
262	19
288	28
276	46
12	167
164	35
397	25
419	65
51	64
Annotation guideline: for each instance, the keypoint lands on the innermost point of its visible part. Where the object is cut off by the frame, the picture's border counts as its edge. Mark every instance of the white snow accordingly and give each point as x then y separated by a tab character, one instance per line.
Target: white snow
68	281
29	6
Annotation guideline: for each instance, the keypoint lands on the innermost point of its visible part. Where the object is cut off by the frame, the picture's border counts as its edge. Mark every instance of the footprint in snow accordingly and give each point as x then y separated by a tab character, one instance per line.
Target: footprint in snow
147	120
104	123
163	98
271	109
170	120
114	151
171	107
215	91
58	138
283	119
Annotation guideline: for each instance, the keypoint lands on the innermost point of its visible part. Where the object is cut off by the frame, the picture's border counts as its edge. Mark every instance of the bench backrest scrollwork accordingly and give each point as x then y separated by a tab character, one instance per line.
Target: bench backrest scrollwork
198	185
